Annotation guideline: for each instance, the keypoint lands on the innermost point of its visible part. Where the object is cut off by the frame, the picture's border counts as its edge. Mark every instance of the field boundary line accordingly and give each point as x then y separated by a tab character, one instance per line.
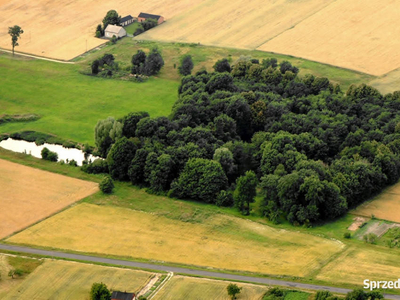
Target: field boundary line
168	278
38	57
294	25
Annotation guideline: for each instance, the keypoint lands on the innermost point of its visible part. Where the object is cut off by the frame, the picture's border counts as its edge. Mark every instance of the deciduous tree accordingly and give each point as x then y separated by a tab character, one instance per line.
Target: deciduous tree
15	33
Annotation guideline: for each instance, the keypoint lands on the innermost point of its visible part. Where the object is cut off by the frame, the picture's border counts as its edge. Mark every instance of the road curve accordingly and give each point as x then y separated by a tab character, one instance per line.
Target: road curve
187	271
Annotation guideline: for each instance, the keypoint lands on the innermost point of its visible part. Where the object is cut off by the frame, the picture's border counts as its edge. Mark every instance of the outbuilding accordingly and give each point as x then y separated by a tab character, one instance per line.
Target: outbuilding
112	30
122	296
144	16
125	21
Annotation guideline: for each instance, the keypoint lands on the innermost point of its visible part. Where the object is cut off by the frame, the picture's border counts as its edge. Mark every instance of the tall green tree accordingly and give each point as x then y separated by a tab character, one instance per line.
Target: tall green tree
154	62
105	134
119	158
186	65
99	291
112	18
15	33
245	191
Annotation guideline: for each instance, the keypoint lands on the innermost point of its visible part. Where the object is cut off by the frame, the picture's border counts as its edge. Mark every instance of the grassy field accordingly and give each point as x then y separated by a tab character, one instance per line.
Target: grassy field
180	288
29	195
14	262
131	28
70	280
69	103
356	264
384	206
219	241
352	34
204	57
64	29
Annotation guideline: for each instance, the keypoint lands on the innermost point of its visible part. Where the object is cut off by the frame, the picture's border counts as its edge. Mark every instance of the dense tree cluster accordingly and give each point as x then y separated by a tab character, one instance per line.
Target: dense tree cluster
112	18
149	64
314	150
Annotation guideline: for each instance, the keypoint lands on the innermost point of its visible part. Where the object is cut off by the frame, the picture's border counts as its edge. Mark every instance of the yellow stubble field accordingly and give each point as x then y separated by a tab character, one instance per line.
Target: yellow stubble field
220	242
180	287
71	280
359	35
237	24
64	29
384	206
29	195
357	264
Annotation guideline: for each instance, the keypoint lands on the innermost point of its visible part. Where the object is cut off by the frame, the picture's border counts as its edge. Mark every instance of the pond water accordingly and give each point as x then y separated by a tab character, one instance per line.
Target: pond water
32	149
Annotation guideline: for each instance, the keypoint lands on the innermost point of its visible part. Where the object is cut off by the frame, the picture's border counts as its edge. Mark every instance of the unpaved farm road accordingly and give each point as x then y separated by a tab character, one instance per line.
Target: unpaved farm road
38	57
126	263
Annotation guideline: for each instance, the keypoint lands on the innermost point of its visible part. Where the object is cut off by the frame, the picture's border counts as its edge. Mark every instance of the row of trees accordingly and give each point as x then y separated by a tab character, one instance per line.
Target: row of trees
149	64
313	151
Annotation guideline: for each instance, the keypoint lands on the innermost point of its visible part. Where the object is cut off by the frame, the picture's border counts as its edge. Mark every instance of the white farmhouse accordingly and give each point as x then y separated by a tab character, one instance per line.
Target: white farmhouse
112	30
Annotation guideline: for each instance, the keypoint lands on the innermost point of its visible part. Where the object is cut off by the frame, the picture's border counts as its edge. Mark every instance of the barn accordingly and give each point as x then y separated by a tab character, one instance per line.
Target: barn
125	21
144	16
112	30
122	296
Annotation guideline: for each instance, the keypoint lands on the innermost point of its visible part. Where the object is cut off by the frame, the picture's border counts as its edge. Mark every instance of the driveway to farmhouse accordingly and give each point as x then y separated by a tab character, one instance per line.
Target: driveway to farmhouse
186	271
37	57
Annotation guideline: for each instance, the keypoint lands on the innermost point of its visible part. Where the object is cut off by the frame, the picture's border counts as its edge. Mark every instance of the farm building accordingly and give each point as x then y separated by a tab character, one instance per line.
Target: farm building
125	21
122	296
144	16
112	30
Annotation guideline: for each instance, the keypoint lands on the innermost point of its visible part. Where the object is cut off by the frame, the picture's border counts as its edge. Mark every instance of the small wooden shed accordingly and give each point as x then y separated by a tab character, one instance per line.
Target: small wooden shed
144	16
112	30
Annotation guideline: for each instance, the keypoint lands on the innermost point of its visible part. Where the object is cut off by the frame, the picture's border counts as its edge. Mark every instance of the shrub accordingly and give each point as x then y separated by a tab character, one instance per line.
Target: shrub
73	163
347	235
186	66
98	34
106	185
49	155
96	167
370	238
113	39
224	198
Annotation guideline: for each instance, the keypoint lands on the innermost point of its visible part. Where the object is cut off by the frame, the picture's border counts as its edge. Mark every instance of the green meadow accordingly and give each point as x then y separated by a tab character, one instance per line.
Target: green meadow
70	103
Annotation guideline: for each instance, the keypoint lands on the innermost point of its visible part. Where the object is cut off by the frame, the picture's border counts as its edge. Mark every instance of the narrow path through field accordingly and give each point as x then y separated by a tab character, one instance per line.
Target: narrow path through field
38	57
186	271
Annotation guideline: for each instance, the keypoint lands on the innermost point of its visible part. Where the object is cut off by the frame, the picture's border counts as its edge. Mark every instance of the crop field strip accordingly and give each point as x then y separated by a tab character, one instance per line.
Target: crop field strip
29	195
356	264
385	206
220	241
180	287
69	280
358	35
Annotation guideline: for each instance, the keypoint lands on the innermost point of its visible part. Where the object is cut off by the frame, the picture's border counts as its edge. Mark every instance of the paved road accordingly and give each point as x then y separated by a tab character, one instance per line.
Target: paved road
125	263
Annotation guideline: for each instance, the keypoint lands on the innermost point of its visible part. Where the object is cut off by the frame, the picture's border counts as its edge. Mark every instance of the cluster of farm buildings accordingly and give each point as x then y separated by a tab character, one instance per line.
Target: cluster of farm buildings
119	31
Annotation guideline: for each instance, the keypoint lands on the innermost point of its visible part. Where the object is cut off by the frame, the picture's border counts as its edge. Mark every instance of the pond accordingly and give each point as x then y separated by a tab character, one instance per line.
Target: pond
32	149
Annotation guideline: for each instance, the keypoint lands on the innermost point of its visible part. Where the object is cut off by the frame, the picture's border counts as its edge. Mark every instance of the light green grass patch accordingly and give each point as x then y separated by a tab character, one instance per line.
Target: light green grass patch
71	103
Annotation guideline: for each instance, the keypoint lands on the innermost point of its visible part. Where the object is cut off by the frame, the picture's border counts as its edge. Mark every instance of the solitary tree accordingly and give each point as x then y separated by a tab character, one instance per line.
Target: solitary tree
15	33
186	66
154	62
99	291
112	18
233	290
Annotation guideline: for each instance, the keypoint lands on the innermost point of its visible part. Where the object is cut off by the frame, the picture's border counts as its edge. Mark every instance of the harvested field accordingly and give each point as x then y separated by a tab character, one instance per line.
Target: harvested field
29	195
180	287
64	29
70	280
359	35
376	264
384	206
239	24
8	263
219	241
